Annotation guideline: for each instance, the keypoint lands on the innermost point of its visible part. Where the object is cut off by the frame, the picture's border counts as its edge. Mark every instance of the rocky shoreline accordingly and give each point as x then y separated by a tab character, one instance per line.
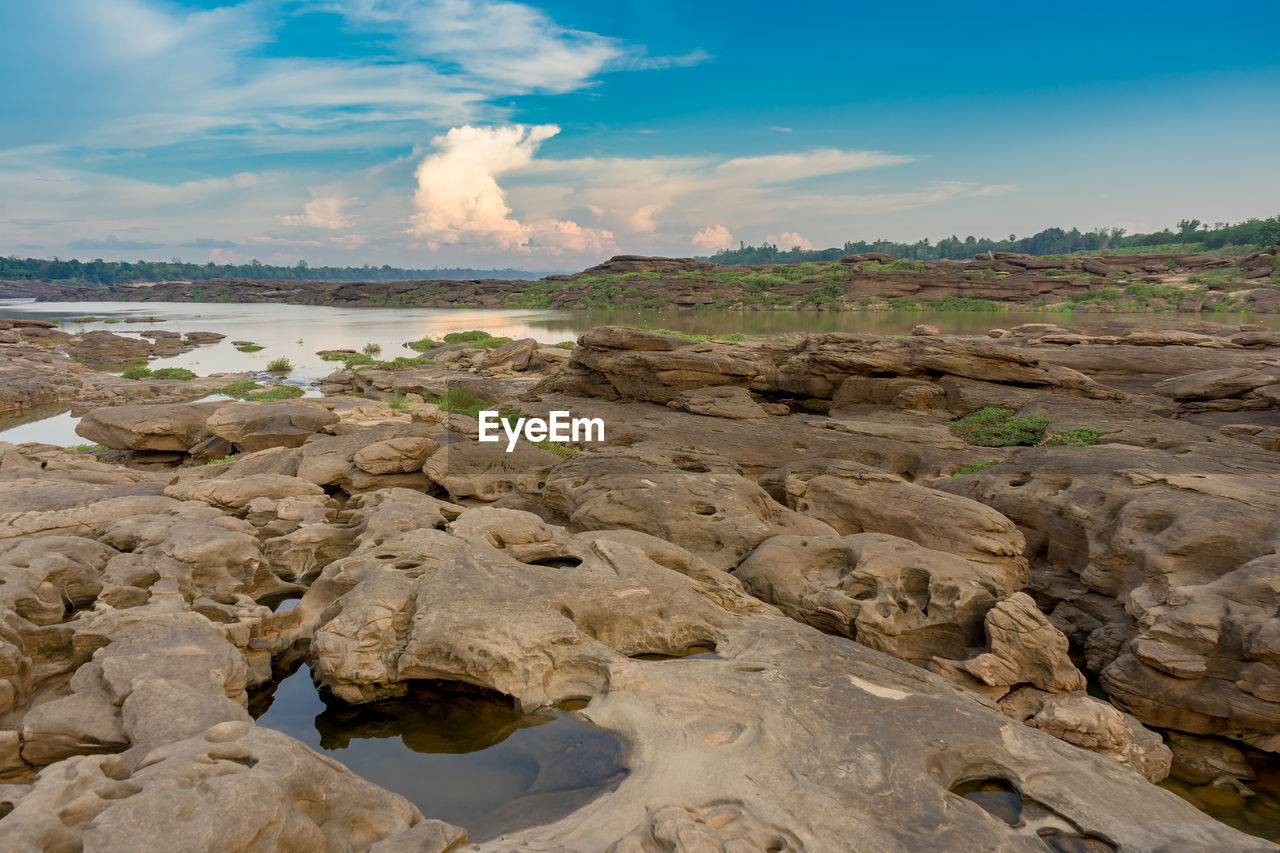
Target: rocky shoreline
876	282
1040	561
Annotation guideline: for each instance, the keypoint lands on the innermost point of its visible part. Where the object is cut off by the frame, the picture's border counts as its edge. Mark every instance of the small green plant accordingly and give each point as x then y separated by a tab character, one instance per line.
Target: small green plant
173	373
398	403
976	467
903	265
238	388
135	373
83	320
564	451
271	395
902	303
280	365
565	345
249	348
996	427
86	448
112	320
223	460
371	350
461	401
1078	437
422	345
466	337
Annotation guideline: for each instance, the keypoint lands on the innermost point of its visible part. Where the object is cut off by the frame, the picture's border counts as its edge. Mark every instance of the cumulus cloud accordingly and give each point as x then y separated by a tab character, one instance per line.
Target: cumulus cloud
789	240
459	200
713	238
321	212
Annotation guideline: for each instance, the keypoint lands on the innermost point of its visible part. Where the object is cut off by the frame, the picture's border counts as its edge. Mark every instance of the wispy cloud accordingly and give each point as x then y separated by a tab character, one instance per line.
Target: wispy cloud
113	242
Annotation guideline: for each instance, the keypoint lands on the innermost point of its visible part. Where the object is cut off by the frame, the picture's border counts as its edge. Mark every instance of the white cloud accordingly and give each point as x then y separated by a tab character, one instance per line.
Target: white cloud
321	212
713	238
789	240
992	190
459	201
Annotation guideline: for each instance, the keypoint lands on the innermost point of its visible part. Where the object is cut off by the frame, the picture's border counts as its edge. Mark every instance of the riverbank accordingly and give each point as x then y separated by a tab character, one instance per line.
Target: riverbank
880	550
1002	281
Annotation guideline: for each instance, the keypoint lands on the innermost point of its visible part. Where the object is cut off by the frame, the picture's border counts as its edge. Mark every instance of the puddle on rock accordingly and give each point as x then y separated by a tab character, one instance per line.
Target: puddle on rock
469	758
1257	813
1000	799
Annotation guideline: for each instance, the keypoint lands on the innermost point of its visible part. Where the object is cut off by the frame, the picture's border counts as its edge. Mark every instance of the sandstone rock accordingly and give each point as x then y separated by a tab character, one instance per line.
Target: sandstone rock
148	427
395	455
514	355
691	498
258	426
1212	384
471	469
885	592
724	401
926	330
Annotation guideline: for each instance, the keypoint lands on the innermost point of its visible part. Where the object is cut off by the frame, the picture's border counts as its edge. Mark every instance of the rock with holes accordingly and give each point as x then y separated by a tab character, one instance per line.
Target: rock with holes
883	591
238	788
692	498
855	498
485	470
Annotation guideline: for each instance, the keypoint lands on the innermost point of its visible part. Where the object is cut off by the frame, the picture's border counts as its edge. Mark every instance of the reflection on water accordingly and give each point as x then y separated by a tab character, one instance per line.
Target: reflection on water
1258	813
298	332
469	758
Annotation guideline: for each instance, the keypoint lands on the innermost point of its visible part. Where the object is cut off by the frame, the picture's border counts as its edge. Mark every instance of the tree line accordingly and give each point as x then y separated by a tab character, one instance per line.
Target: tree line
101	273
1190	235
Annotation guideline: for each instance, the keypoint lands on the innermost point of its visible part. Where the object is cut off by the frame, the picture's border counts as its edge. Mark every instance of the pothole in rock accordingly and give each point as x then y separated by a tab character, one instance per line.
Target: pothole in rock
705	651
468	757
558	562
1001	799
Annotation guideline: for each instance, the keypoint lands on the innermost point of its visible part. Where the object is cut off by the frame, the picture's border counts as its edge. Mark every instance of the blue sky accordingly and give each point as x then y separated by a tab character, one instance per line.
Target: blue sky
551	135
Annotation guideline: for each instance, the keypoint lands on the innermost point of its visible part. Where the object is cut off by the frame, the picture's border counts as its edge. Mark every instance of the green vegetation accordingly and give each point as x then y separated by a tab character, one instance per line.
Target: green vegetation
1144	292
462	400
280	365
371	350
1227	275
476	338
140	372
223	460
249	348
995	427
100	273
894	266
358	360
271	395
111	320
238	388
565	345
398	403
976	467
1079	437
564	451
422	345
1190	237
83	320
86	448
902	303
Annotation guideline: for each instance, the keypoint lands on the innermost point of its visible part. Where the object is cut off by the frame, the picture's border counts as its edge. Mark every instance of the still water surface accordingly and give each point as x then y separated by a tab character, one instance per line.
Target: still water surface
298	332
466	758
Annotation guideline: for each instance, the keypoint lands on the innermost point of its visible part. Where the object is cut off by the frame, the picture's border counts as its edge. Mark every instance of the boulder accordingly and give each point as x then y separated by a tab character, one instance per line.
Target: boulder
258	426
148	427
724	401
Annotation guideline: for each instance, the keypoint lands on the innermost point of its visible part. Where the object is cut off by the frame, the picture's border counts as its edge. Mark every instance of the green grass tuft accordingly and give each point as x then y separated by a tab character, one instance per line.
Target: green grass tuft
976	467
280	365
249	348
995	427
271	395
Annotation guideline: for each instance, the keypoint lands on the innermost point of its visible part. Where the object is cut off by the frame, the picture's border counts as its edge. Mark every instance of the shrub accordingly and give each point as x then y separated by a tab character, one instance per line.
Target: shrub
466	337
136	373
565	345
371	350
489	343
902	303
976	467
1079	437
280	392
173	373
903	265
224	460
995	427
280	365
963	303
422	345
85	448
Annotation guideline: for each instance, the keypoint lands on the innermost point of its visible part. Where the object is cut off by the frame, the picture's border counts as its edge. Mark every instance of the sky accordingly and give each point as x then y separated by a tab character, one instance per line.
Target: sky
552	135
